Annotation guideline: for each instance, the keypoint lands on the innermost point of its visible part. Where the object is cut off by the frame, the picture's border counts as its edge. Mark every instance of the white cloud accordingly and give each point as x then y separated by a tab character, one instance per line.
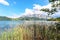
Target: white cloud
47	6
4	2
28	11
14	15
38	7
57	14
36	10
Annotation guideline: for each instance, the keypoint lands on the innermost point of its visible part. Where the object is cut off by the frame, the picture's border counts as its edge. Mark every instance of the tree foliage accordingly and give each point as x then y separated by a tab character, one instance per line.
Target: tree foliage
54	8
49	12
52	0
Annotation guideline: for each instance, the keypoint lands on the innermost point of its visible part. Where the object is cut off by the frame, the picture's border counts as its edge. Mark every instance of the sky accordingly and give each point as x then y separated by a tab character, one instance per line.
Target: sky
16	8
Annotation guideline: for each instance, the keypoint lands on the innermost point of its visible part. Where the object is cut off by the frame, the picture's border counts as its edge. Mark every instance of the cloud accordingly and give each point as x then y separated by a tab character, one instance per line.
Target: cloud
57	14
28	11
14	15
4	2
36	9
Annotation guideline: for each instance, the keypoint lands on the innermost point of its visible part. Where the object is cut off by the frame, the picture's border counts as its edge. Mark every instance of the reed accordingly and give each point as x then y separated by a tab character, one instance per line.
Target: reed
26	32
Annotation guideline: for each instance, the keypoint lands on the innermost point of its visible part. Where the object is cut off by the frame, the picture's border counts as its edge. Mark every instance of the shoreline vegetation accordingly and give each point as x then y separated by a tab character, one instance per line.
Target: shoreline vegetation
4	18
33	31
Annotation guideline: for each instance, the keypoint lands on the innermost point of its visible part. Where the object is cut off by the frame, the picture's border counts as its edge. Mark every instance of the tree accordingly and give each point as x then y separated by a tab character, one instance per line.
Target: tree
49	12
52	0
55	5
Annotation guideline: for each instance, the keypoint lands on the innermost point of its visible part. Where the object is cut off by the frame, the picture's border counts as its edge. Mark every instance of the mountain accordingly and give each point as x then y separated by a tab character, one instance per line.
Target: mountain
32	17
26	17
4	18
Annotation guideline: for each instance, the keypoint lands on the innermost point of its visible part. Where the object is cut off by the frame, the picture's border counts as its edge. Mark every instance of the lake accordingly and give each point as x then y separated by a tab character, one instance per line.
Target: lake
14	23
6	25
11	24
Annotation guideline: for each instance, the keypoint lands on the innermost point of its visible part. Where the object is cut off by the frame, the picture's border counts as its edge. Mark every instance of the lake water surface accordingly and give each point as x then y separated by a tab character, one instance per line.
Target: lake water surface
14	23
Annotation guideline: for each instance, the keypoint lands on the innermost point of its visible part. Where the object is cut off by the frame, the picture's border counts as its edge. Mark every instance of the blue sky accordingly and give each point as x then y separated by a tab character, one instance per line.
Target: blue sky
11	7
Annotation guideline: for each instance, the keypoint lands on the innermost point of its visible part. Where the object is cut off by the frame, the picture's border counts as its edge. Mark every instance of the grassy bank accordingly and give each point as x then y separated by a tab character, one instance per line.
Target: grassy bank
32	32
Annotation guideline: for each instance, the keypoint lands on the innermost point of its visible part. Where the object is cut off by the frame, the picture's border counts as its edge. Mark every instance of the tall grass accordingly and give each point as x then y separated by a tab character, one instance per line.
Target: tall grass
26	32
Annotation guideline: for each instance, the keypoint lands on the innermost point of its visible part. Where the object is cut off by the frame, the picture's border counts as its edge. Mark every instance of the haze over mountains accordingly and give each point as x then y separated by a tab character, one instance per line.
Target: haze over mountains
25	17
